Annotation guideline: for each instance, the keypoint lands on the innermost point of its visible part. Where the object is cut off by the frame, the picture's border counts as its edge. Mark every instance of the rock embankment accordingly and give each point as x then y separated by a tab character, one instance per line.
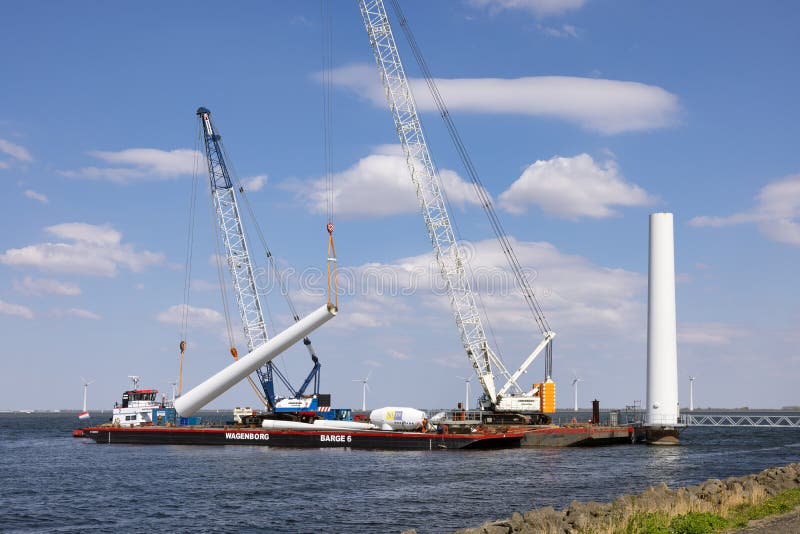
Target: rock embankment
714	496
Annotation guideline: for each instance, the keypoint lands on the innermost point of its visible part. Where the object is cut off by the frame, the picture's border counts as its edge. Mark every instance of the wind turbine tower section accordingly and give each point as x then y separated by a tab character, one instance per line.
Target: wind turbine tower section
662	353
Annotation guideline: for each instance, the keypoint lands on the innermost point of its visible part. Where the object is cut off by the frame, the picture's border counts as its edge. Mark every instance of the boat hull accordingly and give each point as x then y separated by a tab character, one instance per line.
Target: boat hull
155	435
578	436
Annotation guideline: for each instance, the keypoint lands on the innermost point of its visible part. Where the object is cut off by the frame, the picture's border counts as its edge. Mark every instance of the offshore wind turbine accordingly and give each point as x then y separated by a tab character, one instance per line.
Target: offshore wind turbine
575	381
364	389
466	396
174	385
85	413
691	393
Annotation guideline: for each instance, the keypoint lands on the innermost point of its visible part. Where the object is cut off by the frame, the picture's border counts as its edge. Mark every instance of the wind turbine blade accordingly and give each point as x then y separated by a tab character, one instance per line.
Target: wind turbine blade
368	375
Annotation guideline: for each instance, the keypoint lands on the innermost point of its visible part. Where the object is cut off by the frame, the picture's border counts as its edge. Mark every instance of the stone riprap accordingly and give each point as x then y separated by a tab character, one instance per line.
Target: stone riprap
715	496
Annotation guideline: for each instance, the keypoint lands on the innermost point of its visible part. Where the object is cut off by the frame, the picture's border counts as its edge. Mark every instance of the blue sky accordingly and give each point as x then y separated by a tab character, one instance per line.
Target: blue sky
582	117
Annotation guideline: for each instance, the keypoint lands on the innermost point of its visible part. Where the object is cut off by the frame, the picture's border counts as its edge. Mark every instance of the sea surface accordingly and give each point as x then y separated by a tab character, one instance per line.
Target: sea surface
52	482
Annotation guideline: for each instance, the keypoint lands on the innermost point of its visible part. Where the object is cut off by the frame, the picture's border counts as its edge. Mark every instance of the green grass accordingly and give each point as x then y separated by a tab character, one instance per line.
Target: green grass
697	523
705	522
779	504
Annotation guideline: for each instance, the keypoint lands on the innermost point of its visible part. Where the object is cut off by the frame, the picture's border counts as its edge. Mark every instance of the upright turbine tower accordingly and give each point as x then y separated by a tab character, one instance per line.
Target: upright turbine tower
662	348
575	390
364	388
85	413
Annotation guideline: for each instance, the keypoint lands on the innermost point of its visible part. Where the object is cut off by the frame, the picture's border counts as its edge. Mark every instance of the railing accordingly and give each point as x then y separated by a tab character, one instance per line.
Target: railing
771	421
456	416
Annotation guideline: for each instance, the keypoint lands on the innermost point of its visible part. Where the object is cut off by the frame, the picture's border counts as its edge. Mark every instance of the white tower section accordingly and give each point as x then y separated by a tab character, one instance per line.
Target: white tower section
189	403
662	350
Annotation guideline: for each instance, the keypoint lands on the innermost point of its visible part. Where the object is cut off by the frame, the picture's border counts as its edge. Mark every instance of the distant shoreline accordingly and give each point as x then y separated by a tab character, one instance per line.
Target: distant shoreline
558	411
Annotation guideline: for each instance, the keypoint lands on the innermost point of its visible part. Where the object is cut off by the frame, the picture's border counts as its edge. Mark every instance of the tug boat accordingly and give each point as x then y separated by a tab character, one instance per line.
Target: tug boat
137	408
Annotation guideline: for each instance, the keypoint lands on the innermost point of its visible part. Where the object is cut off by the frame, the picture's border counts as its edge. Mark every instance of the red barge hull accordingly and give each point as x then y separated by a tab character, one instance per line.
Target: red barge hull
156	435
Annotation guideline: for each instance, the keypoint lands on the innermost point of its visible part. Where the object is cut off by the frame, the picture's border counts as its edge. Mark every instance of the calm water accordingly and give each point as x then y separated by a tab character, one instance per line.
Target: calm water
53	482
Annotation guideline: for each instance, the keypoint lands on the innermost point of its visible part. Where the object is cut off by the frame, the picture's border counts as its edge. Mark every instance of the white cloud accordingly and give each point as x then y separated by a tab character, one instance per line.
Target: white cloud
255	183
573	188
377	185
30	193
608	106
574	292
776	212
140	164
46	286
709	333
86	233
198	317
83	314
566	30
398	355
18	310
18	152
537	7
95	250
451	361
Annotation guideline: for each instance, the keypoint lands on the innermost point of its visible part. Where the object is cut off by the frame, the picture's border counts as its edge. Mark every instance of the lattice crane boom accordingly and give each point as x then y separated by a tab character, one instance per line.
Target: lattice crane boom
237	256
429	193
447	252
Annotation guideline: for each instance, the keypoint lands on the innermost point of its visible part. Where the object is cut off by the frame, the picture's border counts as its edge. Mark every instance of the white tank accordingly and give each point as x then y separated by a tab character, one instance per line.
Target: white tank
662	350
398	418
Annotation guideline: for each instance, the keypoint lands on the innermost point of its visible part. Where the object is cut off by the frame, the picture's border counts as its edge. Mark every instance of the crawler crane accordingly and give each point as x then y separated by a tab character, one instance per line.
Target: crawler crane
510	399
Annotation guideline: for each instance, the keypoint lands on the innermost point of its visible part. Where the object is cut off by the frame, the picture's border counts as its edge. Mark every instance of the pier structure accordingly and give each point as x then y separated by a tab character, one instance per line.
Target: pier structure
763	421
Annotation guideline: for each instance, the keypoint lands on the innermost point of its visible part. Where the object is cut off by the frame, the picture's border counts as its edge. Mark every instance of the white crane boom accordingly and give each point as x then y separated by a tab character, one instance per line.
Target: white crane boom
429	193
432	205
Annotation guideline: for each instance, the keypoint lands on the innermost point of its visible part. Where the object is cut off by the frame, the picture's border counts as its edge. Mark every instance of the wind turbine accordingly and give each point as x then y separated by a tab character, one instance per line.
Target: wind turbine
174	383
691	393
364	389
466	397
575	381
85	413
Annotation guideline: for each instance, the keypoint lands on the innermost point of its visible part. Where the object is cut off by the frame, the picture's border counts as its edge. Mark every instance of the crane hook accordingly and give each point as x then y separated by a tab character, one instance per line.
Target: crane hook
333	288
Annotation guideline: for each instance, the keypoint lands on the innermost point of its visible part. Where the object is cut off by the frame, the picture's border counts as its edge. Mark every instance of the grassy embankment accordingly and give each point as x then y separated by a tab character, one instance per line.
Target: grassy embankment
707	522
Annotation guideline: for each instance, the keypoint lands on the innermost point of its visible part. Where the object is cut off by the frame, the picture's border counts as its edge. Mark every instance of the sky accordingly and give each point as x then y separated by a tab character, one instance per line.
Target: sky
582	117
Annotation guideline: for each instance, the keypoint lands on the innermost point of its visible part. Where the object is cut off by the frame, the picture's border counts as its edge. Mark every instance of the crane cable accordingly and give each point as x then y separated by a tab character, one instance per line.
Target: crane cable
327	85
187	276
483	196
